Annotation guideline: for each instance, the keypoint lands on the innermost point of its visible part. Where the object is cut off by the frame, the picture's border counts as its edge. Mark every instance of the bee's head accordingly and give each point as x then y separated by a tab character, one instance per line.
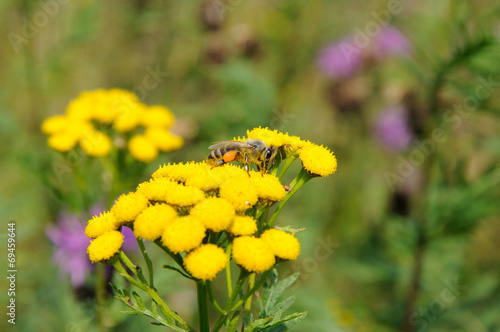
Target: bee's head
267	157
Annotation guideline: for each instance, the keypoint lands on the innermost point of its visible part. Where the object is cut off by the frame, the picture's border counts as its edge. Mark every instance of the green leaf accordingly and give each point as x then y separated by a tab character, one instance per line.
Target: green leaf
286	323
273	290
231	325
284	305
154	309
173	268
138	301
258	324
138	308
131	312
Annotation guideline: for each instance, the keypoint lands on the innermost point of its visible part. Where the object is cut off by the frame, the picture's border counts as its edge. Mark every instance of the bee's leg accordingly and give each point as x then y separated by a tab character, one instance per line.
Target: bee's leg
272	165
259	168
218	163
246	165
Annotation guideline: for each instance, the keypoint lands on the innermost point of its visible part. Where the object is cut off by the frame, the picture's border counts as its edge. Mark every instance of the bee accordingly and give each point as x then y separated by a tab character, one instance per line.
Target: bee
252	151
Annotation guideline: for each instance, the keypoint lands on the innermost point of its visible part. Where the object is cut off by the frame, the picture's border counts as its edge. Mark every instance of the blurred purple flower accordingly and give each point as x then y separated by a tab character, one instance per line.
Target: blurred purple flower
129	240
340	59
392	129
390	41
71	253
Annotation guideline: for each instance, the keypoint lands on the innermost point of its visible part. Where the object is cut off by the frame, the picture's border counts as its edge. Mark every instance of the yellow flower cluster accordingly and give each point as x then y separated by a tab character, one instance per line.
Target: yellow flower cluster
183	203
189	207
317	160
89	118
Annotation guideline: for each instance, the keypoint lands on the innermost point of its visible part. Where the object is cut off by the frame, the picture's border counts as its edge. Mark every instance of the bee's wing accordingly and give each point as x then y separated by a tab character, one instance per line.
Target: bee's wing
232	144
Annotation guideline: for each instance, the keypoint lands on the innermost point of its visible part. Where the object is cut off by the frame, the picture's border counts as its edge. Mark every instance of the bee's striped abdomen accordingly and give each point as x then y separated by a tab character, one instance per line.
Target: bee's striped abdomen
218	154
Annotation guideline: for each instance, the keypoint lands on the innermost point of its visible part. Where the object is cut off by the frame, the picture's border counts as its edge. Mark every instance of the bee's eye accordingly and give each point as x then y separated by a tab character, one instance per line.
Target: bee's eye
269	153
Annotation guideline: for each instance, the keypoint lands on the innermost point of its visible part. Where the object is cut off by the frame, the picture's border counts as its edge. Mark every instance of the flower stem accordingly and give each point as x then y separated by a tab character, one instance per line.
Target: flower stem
212	298
232	298
148	261
296	184
251	284
228	270
100	296
134	268
151	292
201	289
176	257
288	162
259	283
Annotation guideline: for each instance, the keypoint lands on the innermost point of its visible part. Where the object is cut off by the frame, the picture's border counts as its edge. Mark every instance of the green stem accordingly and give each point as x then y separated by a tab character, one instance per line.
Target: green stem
228	270
148	262
151	292
134	268
212	298
251	284
296	184
176	257
101	296
121	270
288	162
201	289
237	287
256	287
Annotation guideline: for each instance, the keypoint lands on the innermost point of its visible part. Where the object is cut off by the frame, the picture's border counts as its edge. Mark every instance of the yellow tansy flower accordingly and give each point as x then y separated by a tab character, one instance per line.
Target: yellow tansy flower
100	224
228	171
205	261
181	195
157	116
54	124
151	222
269	187
240	192
129	118
270	137
81	107
142	149
112	103
292	145
180	172
283	245
216	214
253	254
164	140
318	160
243	225
128	206
184	234
156	189
62	142
96	143
205	180
105	246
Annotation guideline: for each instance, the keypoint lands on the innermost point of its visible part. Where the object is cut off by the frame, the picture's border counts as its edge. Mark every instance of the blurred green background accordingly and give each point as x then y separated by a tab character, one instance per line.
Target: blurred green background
375	257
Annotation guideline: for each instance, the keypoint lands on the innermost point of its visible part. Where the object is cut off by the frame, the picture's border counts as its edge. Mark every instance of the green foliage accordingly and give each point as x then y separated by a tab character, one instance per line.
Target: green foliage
138	308
271	311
